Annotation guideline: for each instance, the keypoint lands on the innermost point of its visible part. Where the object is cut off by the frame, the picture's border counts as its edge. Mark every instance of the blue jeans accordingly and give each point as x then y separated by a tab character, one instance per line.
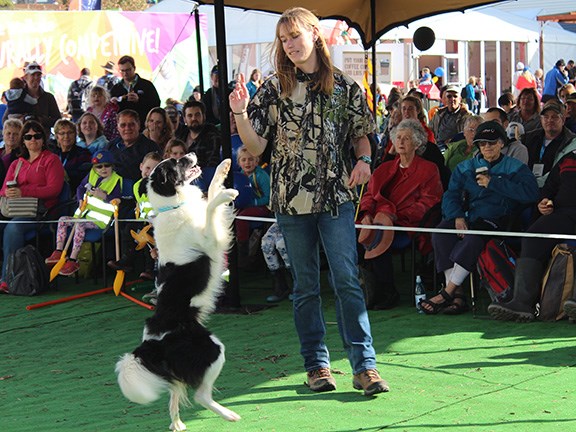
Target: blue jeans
13	238
303	234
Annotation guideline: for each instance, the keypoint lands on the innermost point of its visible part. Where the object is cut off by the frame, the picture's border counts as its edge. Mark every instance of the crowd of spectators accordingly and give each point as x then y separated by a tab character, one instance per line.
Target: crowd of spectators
420	159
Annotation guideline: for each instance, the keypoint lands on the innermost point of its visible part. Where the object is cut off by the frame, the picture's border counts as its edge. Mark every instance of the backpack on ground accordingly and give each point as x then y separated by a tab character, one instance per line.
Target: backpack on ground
26	272
558	284
496	266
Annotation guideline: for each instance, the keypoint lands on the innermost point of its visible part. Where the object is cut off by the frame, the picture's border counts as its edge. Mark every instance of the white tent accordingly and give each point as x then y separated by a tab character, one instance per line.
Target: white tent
242	27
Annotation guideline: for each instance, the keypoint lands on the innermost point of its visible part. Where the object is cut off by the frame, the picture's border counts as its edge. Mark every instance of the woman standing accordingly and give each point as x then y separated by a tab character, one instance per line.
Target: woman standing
41	175
471	101
526	80
313	116
254	83
101	106
91	133
158	127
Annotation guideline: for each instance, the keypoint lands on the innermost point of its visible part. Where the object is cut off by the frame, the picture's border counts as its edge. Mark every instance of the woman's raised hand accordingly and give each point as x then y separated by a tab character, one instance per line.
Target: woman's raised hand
239	97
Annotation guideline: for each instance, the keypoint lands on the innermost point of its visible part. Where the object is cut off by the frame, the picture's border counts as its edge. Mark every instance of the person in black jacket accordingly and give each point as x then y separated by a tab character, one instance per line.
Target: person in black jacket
557	215
131	147
546	146
134	92
201	137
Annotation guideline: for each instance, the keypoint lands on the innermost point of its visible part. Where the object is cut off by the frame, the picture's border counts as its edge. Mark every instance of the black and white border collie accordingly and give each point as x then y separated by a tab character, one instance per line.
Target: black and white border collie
192	236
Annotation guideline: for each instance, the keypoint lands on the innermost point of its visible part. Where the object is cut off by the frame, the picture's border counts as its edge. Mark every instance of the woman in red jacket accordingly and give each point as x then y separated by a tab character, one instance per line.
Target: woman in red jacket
41	175
400	192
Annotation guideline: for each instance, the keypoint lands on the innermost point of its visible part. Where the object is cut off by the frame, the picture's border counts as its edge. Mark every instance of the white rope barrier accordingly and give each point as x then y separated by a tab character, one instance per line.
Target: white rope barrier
359	226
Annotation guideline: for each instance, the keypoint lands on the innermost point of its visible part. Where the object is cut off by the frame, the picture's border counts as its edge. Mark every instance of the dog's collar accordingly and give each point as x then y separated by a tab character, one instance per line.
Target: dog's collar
168	208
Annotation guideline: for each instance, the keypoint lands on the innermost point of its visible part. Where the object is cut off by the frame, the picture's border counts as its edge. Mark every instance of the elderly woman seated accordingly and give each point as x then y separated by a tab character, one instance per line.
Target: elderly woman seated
400	192
557	209
483	193
459	151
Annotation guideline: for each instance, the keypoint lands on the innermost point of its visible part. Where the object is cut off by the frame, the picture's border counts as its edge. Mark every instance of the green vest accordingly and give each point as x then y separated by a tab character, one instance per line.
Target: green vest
96	210
144	209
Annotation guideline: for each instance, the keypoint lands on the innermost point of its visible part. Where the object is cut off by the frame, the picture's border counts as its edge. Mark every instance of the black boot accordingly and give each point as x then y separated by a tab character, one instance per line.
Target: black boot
527	285
570	308
281	287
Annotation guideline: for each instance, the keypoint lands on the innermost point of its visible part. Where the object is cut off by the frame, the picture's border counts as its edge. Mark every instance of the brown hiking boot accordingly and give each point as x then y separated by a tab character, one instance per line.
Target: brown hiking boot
321	380
370	382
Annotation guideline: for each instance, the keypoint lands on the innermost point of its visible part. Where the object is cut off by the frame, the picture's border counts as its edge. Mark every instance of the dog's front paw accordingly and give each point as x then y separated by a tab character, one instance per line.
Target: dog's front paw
222	170
231	194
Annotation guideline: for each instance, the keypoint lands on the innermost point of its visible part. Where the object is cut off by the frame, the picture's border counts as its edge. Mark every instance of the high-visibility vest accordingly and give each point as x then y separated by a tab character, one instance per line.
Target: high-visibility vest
94	209
144	209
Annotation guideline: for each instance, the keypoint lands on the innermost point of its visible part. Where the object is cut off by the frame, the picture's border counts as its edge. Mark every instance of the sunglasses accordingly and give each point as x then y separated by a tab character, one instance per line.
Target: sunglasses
100	166
487	143
36	136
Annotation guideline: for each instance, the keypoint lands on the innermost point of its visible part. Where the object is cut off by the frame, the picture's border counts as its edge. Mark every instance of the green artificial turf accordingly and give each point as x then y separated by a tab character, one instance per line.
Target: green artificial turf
452	373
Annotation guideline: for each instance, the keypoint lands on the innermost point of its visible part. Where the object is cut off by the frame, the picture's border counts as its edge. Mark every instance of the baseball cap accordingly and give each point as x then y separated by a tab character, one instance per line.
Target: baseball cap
452	88
552	105
102	157
490	131
519	66
32	68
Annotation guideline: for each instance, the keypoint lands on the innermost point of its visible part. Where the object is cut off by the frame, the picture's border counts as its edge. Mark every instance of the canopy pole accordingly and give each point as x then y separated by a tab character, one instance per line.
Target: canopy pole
232	293
374	66
199	49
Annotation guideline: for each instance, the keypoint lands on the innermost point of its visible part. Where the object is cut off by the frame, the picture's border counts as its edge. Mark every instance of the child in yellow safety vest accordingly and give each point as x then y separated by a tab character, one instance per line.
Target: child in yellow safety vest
143	212
95	193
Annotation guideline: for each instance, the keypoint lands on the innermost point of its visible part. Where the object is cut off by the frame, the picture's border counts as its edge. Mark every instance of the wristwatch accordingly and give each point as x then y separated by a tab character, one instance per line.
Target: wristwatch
365	159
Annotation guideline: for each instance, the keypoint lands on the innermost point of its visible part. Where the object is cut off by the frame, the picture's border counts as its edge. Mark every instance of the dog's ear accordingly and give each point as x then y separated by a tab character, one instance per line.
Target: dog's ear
164	177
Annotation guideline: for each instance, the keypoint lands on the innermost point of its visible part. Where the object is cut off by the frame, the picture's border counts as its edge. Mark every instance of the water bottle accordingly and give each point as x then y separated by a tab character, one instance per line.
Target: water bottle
419	293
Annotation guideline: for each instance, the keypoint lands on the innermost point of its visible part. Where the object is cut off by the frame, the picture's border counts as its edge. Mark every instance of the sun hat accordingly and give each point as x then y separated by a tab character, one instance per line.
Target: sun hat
375	241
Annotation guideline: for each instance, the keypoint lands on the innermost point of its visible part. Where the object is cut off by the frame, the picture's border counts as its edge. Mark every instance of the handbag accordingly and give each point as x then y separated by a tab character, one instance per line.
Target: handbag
18	207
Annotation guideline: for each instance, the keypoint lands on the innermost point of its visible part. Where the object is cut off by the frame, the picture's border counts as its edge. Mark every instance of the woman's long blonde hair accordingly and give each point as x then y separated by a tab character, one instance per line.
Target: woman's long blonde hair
294	20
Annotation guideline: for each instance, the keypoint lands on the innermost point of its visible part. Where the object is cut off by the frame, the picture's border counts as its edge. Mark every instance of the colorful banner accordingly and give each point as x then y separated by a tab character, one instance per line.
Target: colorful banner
162	44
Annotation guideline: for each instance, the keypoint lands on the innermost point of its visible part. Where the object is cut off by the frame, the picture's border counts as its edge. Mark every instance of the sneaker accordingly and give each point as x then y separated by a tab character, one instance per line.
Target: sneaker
4	288
54	258
321	380
119	265
370	382
69	268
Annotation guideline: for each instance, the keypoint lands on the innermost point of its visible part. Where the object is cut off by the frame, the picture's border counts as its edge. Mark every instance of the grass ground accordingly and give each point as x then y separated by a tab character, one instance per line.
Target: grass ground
456	373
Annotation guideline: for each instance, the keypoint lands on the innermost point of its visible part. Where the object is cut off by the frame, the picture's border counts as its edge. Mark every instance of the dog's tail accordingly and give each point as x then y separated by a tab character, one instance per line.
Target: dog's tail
137	383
